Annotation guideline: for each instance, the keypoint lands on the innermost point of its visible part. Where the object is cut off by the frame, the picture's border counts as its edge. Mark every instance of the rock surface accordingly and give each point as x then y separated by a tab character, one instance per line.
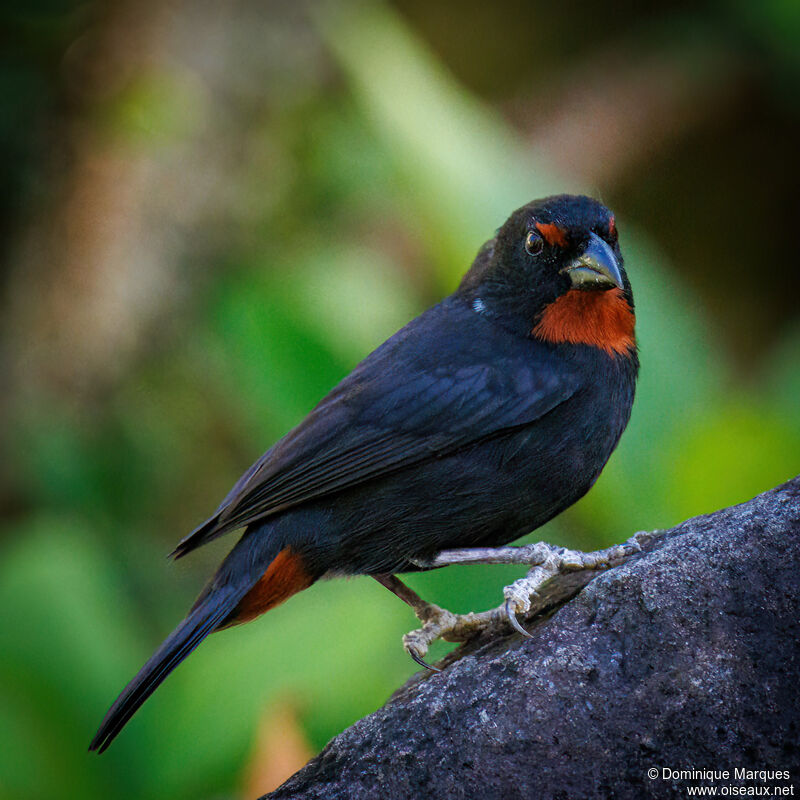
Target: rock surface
686	657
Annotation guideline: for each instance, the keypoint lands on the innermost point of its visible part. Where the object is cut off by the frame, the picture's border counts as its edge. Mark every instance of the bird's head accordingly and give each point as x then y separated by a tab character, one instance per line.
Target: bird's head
555	271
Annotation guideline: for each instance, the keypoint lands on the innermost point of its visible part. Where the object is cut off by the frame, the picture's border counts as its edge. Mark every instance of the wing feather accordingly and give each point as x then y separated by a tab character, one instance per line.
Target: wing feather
405	403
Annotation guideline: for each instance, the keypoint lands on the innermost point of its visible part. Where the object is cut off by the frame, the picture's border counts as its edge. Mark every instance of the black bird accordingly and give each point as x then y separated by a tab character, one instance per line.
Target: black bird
479	421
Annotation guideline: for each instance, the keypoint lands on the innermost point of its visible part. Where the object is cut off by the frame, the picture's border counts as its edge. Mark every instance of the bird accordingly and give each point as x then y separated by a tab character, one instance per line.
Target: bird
480	420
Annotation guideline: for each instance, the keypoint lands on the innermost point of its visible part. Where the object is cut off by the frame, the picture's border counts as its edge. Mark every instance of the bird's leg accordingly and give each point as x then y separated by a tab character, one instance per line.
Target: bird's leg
431	616
406	594
556	574
437	622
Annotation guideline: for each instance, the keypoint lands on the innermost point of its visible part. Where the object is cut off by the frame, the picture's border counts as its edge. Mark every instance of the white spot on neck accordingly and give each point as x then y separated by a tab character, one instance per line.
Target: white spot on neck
478	306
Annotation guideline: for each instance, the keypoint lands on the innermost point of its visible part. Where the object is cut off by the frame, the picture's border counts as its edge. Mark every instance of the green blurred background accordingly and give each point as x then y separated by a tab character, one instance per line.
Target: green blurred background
210	211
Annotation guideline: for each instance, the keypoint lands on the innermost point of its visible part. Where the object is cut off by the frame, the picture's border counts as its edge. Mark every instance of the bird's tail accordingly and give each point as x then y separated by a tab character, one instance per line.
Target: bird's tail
182	641
233	596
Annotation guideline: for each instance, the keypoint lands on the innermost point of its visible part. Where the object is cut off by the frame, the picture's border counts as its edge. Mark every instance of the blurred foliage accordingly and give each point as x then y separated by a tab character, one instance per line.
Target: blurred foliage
362	199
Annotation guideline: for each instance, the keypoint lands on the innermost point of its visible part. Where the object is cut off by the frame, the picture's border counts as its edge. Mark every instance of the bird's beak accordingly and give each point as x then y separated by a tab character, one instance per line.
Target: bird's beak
596	267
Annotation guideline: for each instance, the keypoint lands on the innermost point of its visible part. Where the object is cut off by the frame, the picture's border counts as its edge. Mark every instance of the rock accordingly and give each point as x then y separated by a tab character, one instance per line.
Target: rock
684	658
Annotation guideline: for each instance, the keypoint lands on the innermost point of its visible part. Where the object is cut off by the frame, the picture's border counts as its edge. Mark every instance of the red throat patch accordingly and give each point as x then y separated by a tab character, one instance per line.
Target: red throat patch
599	319
285	576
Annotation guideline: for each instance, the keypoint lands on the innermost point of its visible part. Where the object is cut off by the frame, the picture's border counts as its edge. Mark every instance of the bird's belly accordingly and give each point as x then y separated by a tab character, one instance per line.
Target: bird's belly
486	495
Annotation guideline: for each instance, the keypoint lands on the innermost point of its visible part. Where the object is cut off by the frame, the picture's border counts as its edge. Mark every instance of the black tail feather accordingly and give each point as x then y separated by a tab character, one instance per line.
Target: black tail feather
242	568
206	532
202	621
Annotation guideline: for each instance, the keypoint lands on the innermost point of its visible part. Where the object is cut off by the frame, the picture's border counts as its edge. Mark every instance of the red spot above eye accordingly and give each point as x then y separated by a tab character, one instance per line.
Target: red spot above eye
552	234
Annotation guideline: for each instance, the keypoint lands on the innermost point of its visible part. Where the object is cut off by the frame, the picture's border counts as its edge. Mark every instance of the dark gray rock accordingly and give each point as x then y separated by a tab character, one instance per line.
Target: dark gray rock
685	657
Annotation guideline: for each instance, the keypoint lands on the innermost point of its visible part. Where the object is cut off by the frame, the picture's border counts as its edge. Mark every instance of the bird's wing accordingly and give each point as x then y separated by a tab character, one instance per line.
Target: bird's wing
447	380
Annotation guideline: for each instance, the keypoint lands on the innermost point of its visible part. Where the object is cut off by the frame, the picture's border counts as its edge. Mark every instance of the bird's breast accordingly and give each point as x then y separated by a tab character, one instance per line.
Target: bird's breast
600	319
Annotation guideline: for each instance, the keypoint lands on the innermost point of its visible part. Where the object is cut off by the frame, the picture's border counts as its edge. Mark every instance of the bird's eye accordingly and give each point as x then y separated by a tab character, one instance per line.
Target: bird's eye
612	229
534	244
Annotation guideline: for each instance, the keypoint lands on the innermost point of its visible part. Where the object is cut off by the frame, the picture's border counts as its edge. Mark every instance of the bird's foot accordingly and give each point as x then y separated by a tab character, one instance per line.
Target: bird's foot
556	574
437	622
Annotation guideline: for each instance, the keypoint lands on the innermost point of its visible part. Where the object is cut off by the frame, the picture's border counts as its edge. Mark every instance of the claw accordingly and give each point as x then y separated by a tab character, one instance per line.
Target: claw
421	661
514	622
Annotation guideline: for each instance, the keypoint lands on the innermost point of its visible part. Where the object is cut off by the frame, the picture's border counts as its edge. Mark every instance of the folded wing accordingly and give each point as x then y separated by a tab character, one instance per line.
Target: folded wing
447	380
